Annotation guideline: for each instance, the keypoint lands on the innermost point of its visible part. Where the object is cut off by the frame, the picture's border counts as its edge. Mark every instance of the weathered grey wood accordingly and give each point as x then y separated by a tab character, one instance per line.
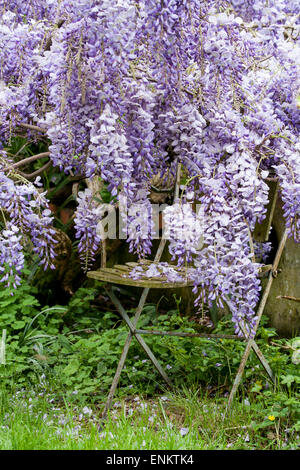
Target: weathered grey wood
262	360
282	311
120	274
189	335
122	267
145	347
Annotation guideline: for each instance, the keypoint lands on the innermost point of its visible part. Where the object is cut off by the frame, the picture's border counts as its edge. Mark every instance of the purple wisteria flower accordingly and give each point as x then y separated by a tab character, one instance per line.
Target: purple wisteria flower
11	256
184	230
124	91
25	210
88	215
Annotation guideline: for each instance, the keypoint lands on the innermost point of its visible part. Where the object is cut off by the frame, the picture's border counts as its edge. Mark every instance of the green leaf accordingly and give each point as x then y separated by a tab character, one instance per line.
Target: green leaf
288	379
72	367
63	341
256	387
18	324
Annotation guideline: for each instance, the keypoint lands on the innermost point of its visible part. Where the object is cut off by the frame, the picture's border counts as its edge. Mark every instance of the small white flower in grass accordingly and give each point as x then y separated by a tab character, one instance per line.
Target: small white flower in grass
63	421
184	431
168	366
87	411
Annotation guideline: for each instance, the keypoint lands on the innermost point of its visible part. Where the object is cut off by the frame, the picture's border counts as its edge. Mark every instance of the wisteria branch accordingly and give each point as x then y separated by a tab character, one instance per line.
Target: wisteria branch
36	173
28	160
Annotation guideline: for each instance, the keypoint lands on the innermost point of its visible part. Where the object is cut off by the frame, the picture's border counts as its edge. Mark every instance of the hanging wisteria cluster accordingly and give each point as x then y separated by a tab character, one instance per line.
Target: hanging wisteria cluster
25	212
128	89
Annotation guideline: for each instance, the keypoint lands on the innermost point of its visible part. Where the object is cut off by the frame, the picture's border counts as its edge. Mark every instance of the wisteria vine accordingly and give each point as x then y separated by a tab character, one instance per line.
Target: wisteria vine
126	90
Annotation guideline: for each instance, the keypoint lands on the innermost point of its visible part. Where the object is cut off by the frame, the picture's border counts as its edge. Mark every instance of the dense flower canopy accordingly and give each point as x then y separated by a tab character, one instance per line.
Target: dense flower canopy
126	89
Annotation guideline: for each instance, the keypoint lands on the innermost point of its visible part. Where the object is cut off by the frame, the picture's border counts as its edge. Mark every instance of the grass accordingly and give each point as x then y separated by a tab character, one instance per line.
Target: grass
186	421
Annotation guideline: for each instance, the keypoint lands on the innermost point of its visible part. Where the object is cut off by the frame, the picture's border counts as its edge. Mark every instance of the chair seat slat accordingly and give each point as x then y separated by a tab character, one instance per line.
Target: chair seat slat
118	276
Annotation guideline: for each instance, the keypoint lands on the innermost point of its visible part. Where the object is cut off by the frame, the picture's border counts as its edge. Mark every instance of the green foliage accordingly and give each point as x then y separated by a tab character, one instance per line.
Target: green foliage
17	309
76	349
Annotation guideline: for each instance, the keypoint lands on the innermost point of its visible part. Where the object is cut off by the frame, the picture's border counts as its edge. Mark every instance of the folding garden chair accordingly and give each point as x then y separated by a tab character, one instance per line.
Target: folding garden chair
120	275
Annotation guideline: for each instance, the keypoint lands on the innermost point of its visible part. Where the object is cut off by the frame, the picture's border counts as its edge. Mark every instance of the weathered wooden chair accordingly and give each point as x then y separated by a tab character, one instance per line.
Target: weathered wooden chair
120	275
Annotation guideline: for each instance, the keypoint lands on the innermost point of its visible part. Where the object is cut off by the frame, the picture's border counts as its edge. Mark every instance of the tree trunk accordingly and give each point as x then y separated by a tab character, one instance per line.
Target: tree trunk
284	313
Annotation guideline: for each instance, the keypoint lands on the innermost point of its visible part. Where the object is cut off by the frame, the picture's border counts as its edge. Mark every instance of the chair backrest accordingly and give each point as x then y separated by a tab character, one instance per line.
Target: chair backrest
176	195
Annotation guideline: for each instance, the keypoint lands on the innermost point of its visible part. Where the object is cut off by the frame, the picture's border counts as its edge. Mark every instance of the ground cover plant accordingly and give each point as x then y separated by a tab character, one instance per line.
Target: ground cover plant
60	361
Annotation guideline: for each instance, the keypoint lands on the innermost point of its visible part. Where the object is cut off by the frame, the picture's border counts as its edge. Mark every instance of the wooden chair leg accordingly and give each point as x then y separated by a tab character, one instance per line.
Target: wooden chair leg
251	344
131	324
140	340
125	349
262	360
117	376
